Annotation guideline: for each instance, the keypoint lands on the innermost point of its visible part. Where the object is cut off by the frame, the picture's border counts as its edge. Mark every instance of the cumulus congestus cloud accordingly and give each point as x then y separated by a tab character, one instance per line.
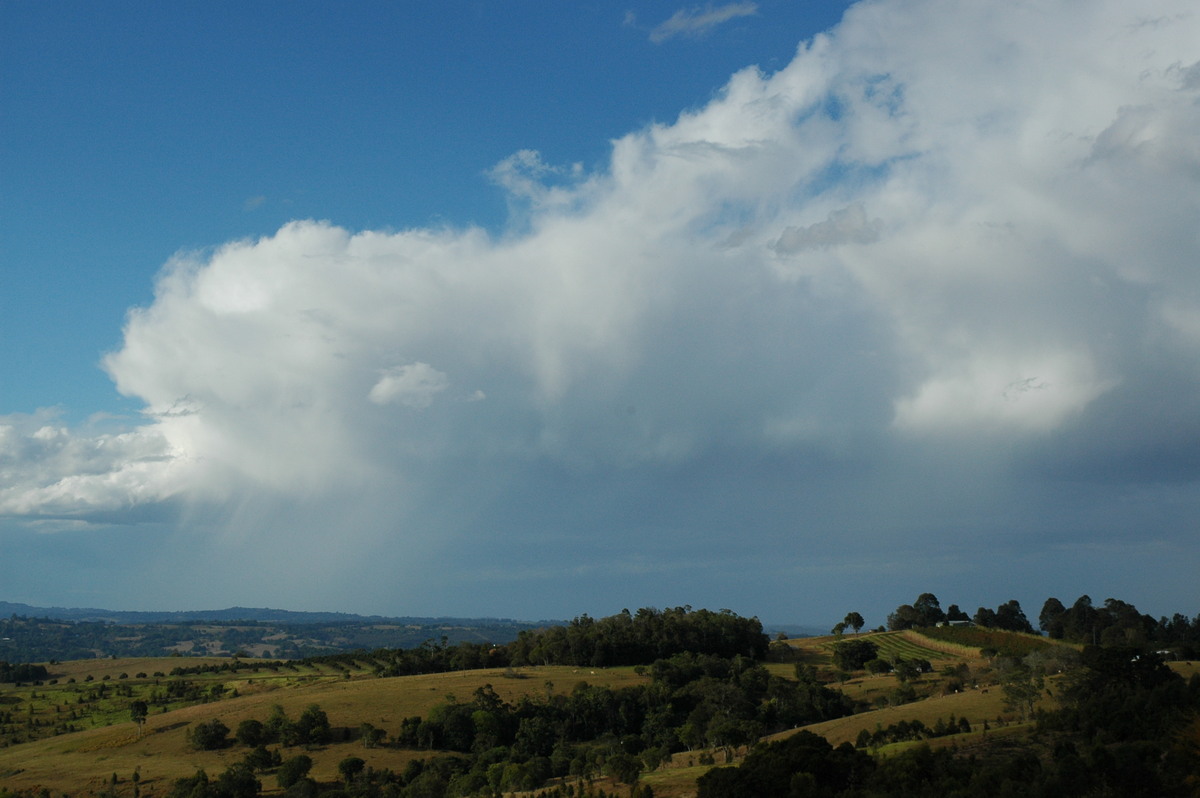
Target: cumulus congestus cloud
965	223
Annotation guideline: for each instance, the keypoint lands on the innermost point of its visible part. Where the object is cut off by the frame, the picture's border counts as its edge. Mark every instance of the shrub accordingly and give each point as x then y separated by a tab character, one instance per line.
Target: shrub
852	655
260	758
878	666
350	767
210	735
293	770
252	733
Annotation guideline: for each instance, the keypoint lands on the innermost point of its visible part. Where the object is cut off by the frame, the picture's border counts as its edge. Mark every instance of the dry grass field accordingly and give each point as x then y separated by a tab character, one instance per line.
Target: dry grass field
98	669
974	705
86	760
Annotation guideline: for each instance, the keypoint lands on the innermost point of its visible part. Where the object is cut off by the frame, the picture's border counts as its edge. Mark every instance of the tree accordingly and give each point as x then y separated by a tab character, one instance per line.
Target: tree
370	735
805	673
138	711
279	727
854	621
350	767
1050	620
802	764
196	786
953	613
293	770
623	767
252	733
984	617
1010	617
853	654
237	782
907	670
1022	688
839	629
653	757
1081	623
210	735
259	758
904	617
929	610
313	726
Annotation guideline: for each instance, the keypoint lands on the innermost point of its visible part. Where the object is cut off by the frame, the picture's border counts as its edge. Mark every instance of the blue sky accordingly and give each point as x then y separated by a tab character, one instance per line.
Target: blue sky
530	310
134	130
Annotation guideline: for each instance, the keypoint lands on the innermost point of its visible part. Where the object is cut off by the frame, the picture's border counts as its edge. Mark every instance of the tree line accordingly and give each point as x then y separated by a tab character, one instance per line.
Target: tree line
22	672
927	611
623	639
1115	623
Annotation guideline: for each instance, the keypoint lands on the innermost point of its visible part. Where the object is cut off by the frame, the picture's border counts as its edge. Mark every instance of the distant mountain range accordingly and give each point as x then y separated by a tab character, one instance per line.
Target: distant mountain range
290	617
257	614
793	630
35	634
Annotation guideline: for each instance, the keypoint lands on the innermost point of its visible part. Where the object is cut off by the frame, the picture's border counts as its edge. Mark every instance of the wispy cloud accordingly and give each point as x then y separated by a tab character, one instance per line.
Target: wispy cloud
699	21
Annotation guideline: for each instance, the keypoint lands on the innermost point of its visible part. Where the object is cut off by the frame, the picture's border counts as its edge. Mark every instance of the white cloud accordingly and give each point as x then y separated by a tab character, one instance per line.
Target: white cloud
1034	396
47	470
526	176
699	21
414	385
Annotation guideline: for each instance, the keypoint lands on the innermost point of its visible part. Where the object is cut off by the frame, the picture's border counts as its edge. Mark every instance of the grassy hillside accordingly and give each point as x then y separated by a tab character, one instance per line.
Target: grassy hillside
93	697
87	759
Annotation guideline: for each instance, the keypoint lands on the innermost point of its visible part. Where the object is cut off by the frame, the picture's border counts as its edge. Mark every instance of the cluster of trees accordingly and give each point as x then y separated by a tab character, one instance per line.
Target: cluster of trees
1118	623
642	637
853	620
927	611
34	639
311	728
429	657
22	672
1125	727
853	655
420	779
236	782
692	701
912	730
622	639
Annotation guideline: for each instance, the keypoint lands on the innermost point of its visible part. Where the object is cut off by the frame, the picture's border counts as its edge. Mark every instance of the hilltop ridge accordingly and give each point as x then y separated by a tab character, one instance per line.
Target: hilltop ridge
258	614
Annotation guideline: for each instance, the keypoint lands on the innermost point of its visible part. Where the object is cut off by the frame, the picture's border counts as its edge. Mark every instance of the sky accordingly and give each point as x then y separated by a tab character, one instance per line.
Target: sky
528	310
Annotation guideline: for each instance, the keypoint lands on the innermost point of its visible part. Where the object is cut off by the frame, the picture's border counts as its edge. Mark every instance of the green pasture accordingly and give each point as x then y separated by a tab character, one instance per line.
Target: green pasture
895	645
